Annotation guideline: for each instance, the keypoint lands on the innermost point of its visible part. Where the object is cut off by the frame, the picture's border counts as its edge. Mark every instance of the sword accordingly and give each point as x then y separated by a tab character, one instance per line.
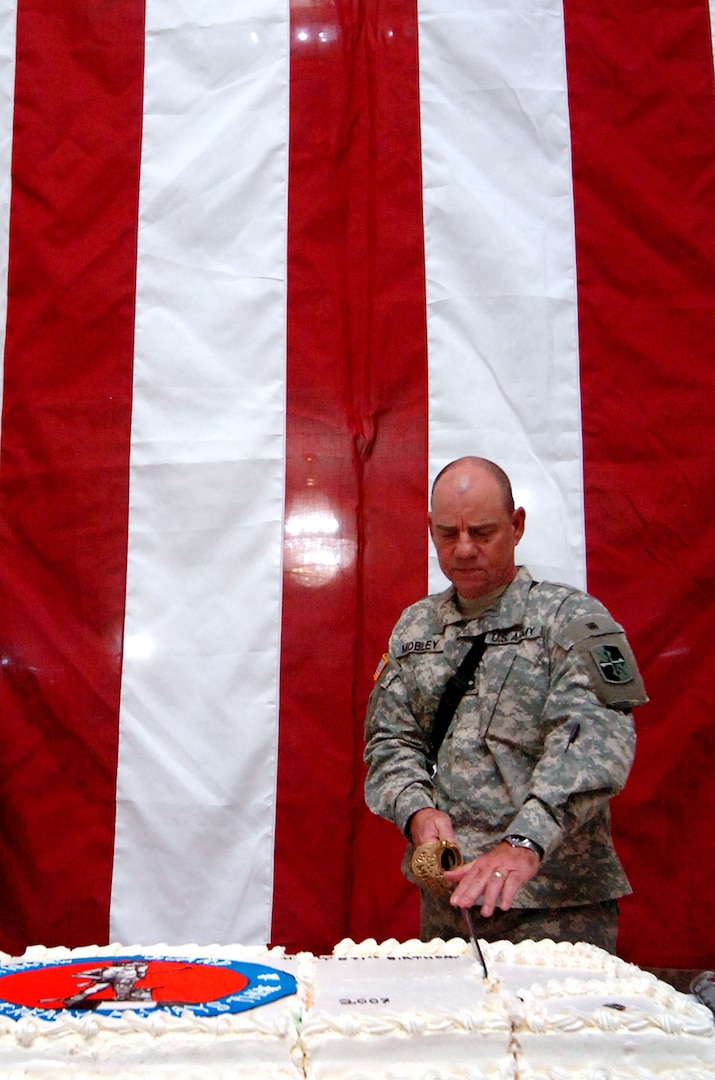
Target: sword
473	939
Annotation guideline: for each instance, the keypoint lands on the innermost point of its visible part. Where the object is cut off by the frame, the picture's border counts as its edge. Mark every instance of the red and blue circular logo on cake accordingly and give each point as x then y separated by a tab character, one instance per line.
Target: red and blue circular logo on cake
111	985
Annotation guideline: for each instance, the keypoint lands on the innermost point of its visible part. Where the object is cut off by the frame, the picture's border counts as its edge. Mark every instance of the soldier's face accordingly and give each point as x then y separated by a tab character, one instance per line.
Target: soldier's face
473	532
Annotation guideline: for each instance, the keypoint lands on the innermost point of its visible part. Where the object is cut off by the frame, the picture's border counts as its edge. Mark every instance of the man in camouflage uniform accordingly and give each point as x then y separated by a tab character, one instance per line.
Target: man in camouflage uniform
540	741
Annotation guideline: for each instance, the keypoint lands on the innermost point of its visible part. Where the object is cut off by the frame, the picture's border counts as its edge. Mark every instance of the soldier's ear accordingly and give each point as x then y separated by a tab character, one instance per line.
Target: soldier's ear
518	521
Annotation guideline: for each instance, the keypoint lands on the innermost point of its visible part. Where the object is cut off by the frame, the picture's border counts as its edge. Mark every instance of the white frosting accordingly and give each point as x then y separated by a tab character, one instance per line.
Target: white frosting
407	1011
391	1010
394	948
259	1042
579	1013
575	1013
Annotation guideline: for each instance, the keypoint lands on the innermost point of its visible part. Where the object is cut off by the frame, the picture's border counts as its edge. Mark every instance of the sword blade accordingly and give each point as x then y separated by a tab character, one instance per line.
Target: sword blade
473	938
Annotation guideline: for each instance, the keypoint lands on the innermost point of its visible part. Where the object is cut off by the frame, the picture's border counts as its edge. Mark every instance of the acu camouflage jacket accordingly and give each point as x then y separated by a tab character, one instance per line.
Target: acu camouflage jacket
537	747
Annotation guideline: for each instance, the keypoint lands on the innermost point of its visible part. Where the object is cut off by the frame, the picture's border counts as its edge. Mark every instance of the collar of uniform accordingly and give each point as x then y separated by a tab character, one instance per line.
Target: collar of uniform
473	609
508	610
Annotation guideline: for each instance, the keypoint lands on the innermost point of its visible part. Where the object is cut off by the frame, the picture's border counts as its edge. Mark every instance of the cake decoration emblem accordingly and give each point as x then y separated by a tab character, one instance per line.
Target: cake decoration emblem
140	984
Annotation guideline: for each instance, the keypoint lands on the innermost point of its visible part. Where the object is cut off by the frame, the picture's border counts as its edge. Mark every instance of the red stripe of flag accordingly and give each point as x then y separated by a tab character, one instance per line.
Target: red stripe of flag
357	407
643	123
65	450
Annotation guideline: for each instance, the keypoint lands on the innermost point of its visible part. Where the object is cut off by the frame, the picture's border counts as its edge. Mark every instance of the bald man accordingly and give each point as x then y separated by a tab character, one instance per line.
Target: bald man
536	746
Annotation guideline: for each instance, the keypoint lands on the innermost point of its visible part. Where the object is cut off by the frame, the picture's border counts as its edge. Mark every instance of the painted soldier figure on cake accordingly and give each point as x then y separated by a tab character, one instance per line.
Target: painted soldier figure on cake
120	977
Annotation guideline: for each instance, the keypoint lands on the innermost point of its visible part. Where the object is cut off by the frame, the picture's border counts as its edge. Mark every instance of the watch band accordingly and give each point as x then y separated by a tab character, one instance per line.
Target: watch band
524	841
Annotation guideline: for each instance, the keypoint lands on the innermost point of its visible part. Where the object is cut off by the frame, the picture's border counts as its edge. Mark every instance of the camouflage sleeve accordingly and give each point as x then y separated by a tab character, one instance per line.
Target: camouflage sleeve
398	781
589	750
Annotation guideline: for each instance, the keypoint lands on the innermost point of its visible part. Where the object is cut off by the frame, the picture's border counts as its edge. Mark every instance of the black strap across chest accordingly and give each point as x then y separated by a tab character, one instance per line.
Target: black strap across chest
453	693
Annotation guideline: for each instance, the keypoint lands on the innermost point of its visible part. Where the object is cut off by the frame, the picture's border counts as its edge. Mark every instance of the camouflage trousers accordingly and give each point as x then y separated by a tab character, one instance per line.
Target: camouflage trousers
595	923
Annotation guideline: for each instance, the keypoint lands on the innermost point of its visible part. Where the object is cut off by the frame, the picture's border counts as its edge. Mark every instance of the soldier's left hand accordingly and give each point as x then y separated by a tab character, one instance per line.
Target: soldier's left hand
497	876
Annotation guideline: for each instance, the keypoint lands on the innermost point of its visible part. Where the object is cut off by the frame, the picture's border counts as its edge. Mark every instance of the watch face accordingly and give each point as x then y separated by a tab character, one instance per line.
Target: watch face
525	842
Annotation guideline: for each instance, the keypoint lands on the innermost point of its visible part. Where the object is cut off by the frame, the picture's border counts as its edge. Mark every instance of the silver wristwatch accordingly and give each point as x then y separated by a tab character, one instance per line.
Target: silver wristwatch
524	841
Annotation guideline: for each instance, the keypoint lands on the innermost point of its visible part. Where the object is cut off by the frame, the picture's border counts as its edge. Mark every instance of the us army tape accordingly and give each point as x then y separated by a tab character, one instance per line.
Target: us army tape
429	862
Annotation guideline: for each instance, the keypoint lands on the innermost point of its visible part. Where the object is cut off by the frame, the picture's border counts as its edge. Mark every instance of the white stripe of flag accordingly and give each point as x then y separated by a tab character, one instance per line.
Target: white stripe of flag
198	721
8	24
500	257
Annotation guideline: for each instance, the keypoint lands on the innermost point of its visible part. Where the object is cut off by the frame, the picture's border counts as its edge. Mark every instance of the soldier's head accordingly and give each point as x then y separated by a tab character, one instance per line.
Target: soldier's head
475	526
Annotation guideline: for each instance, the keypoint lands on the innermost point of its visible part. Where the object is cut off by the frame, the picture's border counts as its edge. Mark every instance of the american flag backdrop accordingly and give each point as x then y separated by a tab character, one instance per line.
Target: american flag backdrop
266	267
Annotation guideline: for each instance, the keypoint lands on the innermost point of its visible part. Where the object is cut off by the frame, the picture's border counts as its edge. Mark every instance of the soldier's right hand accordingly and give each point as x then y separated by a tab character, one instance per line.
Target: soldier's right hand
430	824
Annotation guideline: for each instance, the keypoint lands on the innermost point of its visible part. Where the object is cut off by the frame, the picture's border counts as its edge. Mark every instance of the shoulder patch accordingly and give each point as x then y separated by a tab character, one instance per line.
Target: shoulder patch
612	669
379	669
591	626
612	664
